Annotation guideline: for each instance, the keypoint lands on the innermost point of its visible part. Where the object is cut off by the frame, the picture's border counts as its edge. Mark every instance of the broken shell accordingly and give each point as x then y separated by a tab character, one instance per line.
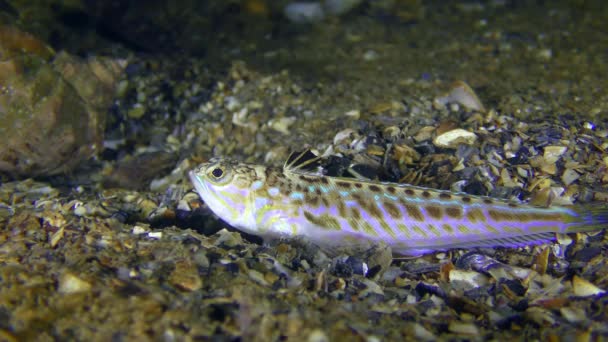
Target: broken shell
455	137
583	288
466	280
344	136
553	153
569	176
425	133
463	94
282	124
70	284
542	259
463	328
405	154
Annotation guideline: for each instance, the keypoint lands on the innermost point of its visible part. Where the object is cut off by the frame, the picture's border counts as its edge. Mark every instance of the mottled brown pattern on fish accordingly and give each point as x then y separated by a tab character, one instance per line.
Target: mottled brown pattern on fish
311	199
499	215
368	206
325	202
391	189
433	229
308	179
271	177
342	184
434	212
491	229
404	230
322	221
463	229
509	229
341	208
409	192
374	188
445	196
392	209
419	231
414	212
552	216
426	194
354	223
540	229
454	212
476	215
388	229
447	228
355	213
367	228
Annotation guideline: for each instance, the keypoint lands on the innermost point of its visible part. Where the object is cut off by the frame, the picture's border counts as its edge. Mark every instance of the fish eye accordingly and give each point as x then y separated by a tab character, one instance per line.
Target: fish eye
217	172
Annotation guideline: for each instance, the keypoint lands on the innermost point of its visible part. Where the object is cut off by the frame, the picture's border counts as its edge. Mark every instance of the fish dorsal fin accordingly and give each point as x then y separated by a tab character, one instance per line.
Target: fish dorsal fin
303	162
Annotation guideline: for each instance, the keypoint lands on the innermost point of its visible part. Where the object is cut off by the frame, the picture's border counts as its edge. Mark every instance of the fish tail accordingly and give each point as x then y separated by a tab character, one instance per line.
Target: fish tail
588	217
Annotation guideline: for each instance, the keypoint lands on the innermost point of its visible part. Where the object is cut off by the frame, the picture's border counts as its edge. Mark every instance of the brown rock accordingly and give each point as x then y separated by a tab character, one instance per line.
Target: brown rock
52	115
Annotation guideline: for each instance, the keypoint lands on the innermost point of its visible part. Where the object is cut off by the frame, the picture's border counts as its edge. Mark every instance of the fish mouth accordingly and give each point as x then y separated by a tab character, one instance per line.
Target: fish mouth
199	185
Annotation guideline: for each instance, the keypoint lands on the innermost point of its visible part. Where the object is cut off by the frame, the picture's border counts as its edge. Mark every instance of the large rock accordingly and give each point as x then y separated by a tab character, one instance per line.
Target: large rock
52	108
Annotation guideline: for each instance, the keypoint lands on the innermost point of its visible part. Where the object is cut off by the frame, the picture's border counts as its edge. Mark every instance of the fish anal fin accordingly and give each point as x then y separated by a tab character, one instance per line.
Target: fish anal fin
509	241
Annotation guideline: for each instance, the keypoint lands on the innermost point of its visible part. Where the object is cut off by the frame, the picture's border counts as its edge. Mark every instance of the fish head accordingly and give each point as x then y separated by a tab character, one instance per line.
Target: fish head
226	186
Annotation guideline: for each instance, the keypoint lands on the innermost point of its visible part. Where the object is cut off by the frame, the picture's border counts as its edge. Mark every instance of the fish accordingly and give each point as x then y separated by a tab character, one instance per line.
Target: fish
341	213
